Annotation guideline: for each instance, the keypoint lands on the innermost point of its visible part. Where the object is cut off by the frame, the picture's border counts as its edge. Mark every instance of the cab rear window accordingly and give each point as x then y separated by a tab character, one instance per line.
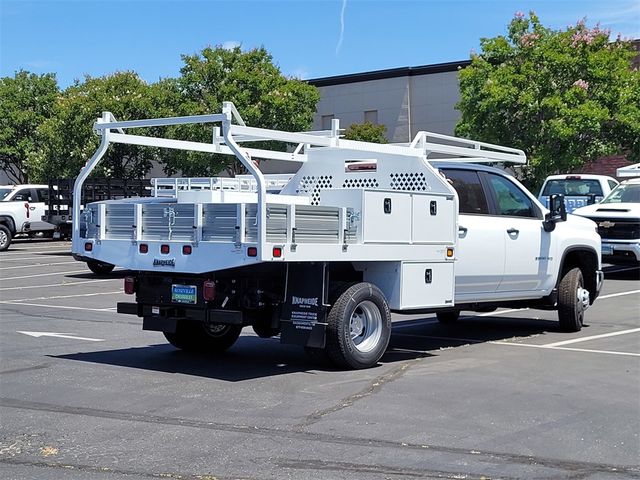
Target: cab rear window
572	187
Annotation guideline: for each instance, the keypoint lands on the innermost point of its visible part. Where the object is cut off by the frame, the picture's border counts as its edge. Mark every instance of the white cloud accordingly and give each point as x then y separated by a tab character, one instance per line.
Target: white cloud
231	44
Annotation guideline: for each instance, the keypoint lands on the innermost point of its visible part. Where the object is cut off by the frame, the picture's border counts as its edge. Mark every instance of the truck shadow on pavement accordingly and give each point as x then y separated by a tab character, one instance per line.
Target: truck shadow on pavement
622	272
252	357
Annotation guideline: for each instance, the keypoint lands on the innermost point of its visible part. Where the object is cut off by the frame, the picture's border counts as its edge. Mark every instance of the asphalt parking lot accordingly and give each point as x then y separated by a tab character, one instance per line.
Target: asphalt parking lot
496	395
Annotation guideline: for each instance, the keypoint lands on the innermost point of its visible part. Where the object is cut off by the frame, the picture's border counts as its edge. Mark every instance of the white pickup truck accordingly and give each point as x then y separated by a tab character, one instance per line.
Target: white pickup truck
21	210
579	189
618	220
359	231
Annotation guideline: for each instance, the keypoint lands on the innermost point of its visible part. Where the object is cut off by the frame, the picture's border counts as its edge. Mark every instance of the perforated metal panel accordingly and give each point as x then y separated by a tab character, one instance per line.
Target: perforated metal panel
409	181
360	182
312	185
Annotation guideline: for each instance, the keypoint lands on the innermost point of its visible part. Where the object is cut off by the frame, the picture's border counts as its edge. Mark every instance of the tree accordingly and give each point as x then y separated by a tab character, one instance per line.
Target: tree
565	97
366	132
263	96
69	137
26	101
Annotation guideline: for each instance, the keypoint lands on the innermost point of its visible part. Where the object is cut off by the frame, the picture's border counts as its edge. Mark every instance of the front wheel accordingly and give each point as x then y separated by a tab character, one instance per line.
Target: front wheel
573	300
198	337
100	268
358	327
5	238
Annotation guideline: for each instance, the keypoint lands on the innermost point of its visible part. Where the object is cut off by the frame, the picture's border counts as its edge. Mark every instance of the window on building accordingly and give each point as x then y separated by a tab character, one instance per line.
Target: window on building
326	122
371	116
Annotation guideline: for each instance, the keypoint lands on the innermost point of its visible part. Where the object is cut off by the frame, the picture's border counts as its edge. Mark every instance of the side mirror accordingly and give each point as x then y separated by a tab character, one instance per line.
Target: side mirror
557	212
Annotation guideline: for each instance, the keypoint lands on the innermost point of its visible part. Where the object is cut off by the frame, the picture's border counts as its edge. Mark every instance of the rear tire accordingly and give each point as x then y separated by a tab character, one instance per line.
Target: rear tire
197	337
100	268
450	316
358	327
5	238
573	300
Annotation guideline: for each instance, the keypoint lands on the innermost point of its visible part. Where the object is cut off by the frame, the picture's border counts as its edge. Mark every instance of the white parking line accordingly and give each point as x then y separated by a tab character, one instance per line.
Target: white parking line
18	300
30	258
612	295
546	347
86	270
500	312
68	284
592	337
35	265
17	251
63	307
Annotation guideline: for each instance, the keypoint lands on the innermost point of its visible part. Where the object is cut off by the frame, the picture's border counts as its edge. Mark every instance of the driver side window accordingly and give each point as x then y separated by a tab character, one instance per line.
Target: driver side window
22	196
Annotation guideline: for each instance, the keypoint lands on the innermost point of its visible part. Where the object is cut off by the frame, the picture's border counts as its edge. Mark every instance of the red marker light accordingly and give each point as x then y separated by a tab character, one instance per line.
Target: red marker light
277	252
186	249
144	248
164	249
129	285
209	290
88	246
252	251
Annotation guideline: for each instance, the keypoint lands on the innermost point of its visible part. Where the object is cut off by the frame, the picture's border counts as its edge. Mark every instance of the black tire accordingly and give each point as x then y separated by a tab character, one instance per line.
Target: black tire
571	301
100	268
358	327
262	322
193	336
5	238
448	316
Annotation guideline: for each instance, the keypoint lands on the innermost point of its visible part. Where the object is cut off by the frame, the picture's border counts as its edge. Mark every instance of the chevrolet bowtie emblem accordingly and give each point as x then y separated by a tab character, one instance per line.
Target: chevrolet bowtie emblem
606	224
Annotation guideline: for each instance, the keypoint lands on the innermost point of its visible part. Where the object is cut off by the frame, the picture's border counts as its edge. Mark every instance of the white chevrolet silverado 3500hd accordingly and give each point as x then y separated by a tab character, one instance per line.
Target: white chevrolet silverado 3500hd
323	258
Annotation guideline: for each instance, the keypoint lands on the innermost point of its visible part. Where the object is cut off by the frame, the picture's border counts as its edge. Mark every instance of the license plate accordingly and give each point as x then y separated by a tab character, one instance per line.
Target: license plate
607	249
56	235
184	294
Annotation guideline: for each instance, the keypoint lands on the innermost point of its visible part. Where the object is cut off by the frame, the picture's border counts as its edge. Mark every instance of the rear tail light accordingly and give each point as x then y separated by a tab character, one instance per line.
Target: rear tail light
186	249
164	249
144	248
252	251
277	252
88	246
129	285
209	290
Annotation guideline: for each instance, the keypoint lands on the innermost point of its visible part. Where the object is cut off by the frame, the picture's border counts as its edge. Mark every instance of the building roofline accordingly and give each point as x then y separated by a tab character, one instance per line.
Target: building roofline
389	73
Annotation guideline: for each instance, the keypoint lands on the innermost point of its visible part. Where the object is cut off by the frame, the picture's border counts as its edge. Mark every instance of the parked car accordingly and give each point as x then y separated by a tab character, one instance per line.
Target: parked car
21	210
618	220
578	190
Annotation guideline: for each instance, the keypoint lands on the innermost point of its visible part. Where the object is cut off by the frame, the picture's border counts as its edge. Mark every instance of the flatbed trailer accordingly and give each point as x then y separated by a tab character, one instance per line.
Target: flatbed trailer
319	258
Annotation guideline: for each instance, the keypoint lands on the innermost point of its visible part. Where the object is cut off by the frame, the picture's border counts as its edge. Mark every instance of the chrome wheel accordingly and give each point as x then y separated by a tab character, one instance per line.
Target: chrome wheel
365	326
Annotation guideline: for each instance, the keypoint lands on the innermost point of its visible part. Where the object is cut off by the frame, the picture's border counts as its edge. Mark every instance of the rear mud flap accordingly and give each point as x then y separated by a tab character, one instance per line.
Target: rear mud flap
304	312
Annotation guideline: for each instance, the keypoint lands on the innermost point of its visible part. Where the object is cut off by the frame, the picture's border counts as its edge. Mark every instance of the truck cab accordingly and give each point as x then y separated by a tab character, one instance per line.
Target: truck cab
21	211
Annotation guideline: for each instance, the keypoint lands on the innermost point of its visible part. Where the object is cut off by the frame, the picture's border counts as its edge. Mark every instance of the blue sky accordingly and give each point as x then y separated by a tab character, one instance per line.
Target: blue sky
308	39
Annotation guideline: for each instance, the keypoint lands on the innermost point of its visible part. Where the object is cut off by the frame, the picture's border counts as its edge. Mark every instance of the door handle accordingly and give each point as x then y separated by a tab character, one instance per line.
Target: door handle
513	231
32	208
462	229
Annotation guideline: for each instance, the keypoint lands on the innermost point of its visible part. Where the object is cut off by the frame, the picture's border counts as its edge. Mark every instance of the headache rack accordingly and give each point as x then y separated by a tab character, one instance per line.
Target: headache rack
323	212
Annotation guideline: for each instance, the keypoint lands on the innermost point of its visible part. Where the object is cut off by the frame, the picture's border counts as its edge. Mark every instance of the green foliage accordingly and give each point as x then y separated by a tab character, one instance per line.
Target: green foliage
26	100
263	96
366	132
564	97
45	133
68	138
